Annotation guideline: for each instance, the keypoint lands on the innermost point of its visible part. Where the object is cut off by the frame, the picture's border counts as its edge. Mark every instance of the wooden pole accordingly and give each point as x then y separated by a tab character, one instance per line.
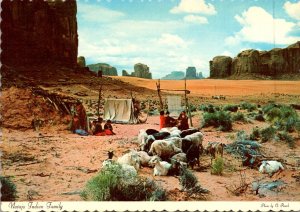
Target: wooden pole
159	95
187	108
99	100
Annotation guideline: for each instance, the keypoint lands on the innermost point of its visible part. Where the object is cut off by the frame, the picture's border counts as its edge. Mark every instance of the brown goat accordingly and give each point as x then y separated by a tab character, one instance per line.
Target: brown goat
215	148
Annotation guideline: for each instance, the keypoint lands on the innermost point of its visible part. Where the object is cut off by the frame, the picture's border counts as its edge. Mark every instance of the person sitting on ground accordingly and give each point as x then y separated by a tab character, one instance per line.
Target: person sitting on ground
108	128
98	128
162	119
170	121
183	121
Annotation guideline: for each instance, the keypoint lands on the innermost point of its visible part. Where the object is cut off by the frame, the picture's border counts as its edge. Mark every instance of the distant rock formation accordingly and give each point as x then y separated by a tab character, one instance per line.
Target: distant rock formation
39	33
174	75
191	73
141	71
274	64
125	73
200	75
81	61
105	68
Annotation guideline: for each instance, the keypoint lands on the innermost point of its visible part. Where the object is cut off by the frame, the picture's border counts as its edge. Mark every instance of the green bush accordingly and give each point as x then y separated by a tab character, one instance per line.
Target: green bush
187	179
267	133
115	184
219	119
282	116
239	117
203	107
284	136
217	166
255	135
8	189
231	108
248	106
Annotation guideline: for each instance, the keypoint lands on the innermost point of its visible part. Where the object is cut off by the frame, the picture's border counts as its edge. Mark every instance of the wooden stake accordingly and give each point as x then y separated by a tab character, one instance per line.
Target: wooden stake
187	107
99	99
159	95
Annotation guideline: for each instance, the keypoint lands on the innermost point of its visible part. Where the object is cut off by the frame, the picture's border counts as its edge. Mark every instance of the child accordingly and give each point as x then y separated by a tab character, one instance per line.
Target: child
108	128
98	131
162	119
169	121
183	121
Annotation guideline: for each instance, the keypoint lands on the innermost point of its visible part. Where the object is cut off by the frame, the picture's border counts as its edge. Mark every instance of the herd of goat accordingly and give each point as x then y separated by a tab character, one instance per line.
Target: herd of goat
170	149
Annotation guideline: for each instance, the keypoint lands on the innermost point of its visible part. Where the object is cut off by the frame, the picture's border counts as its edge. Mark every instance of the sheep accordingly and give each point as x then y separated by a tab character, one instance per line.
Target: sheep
151	131
214	148
142	137
164	130
174	129
164	149
131	158
144	158
175	133
151	138
179	157
270	167
188	132
177	141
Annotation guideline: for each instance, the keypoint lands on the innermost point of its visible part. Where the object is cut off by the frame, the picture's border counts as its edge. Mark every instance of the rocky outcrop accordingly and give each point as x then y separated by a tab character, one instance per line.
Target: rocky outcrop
141	71
105	68
39	32
191	73
274	64
200	75
174	75
220	67
81	61
125	73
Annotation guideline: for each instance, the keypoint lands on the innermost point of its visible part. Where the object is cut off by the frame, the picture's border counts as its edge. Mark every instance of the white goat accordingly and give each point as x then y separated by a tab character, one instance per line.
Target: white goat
196	138
153	160
161	168
270	167
131	158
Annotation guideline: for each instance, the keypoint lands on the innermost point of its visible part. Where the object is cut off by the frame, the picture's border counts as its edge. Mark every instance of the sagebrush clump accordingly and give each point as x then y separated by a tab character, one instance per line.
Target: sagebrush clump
248	106
8	189
217	166
113	184
220	119
239	117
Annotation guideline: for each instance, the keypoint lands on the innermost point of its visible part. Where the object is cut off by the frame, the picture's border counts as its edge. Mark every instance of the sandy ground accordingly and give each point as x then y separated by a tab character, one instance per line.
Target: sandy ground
221	87
53	164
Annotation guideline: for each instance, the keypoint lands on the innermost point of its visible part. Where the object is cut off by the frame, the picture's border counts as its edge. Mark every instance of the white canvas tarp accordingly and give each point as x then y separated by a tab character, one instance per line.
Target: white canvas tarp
174	105
119	111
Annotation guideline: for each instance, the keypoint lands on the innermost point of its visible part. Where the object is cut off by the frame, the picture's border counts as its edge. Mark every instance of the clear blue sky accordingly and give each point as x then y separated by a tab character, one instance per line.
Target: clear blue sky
170	35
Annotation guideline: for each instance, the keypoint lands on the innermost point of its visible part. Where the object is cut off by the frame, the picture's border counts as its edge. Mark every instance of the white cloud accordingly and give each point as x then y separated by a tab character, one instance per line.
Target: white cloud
195	19
194	6
227	53
96	13
259	26
292	9
171	40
